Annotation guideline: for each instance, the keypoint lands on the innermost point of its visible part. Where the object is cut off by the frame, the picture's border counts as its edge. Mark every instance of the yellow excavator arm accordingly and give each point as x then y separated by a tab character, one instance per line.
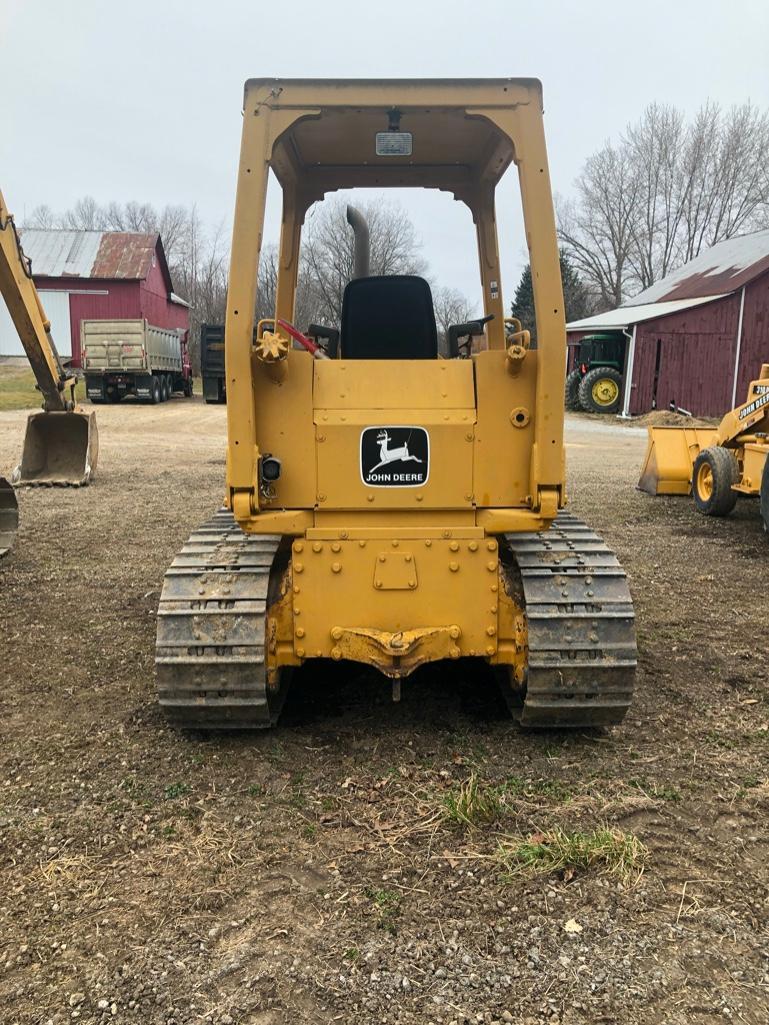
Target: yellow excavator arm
32	325
61	443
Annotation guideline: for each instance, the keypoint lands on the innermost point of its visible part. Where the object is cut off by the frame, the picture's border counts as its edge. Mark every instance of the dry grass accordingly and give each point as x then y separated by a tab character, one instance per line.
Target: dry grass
609	850
473	804
63	869
18	391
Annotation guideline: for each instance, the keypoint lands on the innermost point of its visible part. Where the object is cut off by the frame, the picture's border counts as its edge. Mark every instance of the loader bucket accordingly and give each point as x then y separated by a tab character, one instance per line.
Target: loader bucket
59	448
670	455
9	516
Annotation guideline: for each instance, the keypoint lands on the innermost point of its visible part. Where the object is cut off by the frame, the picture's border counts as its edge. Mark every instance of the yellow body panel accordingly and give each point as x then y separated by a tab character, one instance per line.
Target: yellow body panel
754	457
450	481
369	592
503	399
669	459
384	384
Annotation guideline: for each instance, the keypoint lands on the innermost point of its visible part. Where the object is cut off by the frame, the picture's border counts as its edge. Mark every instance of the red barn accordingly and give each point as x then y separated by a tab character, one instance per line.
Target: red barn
96	275
696	338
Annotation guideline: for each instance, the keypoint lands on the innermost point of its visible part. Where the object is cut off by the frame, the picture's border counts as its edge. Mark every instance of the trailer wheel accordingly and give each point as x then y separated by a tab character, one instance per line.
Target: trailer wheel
600	390
571	391
188	388
164	389
715	471
156	392
765	495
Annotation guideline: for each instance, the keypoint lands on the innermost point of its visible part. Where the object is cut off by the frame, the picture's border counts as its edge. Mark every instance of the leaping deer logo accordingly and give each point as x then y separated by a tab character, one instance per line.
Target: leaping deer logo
392	455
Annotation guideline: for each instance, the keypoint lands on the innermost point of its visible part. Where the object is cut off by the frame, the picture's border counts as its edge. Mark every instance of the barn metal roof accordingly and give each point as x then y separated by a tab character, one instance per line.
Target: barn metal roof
61	253
722	269
626	316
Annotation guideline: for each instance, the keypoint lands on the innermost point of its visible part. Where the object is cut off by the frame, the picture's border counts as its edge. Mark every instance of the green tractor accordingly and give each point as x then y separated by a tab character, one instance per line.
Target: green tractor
595	383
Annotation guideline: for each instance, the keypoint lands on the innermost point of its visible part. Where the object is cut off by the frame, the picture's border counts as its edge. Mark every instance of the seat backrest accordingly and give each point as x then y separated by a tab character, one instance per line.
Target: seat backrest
389	318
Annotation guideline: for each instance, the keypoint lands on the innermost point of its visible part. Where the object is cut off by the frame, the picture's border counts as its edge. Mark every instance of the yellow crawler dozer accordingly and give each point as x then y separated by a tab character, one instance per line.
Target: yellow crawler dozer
715	464
383	504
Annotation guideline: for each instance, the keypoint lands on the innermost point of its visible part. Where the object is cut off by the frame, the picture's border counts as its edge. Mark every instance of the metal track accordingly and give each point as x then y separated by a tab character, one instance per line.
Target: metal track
581	626
210	631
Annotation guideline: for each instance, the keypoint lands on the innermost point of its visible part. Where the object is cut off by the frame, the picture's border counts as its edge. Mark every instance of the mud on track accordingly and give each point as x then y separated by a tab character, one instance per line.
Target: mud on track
309	874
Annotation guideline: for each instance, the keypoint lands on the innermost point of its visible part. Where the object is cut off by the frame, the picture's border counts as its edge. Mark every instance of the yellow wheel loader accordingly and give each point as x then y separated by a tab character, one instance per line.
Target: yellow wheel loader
385	505
715	464
61	443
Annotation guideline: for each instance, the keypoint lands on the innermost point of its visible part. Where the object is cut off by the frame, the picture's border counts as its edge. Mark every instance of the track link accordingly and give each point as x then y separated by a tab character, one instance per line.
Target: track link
581	626
209	658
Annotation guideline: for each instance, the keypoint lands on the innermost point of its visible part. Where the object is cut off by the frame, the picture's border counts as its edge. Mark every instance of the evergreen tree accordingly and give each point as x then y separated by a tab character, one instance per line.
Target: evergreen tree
575	296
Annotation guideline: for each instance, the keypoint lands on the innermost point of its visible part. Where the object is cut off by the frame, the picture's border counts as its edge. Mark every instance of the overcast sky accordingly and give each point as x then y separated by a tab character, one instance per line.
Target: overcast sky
141	100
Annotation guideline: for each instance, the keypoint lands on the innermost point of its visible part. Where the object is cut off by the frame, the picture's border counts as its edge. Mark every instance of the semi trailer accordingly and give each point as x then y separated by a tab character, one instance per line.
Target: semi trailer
131	357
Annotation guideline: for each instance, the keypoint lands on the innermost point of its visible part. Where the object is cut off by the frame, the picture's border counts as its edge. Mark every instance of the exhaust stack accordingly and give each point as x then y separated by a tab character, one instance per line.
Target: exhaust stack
362	252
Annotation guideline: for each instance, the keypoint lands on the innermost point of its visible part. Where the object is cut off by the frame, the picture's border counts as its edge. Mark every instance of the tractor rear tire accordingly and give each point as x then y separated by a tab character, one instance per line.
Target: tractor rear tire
600	390
765	495
715	471
571	391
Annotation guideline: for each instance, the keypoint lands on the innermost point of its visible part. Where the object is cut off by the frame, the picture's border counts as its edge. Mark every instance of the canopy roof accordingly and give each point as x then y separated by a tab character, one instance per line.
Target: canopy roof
333	146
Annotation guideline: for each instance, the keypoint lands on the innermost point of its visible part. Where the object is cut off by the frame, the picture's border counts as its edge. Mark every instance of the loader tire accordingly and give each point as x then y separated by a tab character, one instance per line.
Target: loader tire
765	495
715	471
600	390
571	391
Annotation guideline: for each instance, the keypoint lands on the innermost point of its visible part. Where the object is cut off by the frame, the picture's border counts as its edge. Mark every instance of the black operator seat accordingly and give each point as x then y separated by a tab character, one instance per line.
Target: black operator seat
389	317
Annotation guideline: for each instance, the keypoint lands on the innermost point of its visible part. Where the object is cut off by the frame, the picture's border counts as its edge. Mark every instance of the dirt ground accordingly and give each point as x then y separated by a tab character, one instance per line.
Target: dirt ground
310	874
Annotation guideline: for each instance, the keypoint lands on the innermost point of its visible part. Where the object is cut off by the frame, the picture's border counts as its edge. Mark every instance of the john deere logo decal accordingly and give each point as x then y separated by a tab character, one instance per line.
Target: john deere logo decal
394	457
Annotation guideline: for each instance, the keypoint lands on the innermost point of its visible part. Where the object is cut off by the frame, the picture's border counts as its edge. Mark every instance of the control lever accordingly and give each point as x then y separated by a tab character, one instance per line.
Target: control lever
467	330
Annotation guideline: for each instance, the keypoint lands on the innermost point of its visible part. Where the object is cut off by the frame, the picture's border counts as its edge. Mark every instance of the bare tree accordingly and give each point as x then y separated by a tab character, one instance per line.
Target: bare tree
725	166
41	217
85	215
598	228
655	144
664	192
267	286
451	307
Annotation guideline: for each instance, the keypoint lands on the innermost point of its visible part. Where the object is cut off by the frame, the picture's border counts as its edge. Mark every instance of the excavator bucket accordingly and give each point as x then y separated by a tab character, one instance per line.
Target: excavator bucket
59	448
9	516
670	455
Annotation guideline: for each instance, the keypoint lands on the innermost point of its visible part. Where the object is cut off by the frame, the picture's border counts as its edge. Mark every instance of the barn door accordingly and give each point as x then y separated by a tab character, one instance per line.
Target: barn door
694	372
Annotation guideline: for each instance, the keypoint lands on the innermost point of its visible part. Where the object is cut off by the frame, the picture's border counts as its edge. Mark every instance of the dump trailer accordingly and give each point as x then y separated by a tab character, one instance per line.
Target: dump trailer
384	505
715	465
212	362
61	444
131	357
